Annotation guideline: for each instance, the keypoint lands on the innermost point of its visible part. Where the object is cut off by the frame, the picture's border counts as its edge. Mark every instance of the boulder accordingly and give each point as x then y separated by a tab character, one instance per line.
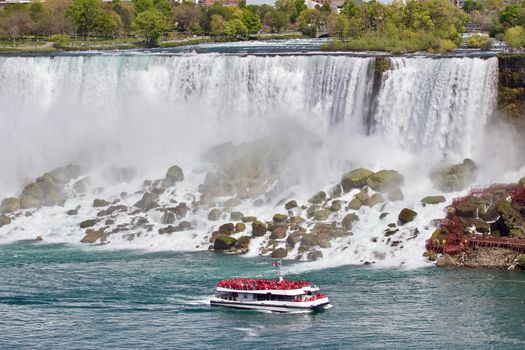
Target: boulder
10	205
374	199
297	219
99	203
227	229
39	239
279	253
318	198
320	236
240	227
395	195
173	175
454	178
294	238
231	203
236	216
446	260
278	233
406	215
290	205
510	222
149	201
520	261
354	204
224	243
355	179
242	245
180	210
315	255
246	219
72	212
335	205
322	215
275	225
88	223
311	211
258	229
467	209
439	235
385	180
363	195
280	217
112	209
92	236
4	220
336	191
430	200
167	218
214	214
349	220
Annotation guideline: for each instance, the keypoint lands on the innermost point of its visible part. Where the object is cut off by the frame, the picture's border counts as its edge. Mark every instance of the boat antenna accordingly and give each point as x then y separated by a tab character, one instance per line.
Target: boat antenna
278	264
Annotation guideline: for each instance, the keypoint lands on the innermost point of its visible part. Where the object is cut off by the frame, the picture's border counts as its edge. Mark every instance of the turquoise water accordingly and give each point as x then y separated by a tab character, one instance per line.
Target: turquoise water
60	296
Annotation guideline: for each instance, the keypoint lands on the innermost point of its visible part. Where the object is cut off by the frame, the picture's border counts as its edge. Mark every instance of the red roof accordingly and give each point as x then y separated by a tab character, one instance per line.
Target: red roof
259	284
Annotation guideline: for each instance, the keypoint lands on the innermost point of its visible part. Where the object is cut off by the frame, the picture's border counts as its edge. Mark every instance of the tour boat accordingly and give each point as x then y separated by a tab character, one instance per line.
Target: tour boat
269	295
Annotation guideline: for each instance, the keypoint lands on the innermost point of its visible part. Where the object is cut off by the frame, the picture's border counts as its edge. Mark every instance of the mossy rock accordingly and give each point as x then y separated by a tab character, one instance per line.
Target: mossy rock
322	215
455	177
385	180
240	227
297	219
363	195
433	200
4	220
214	214
10	205
315	255
439	235
236	216
99	203
92	236
374	199
335	205
311	211
226	229
355	179
390	232
173	175
406	215
349	220
224	243
382	64
317	198
280	217
279	253
258	229
354	204
521	261
148	201
246	219
88	223
467	210
242	245
290	205
231	203
294	238
336	191
278	233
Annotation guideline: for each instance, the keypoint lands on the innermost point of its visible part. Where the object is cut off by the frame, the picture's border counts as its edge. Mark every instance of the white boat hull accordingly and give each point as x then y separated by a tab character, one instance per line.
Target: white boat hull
273	306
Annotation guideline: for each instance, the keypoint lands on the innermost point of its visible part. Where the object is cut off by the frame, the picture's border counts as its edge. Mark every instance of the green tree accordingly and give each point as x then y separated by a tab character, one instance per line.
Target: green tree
150	25
83	13
235	28
472	5
107	24
217	24
251	21
142	5
515	37
349	8
310	22
511	15
186	16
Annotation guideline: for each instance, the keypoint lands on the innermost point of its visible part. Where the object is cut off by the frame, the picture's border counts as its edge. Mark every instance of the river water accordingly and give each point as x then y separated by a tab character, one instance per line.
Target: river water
61	296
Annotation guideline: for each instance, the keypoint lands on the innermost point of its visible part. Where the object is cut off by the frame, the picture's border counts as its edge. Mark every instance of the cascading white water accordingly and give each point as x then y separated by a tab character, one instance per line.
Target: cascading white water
154	111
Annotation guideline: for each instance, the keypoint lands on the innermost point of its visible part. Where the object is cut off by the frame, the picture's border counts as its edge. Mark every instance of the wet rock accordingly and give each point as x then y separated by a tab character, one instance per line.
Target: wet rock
510	222
374	199
258	229
88	223
279	253
520	261
335	205
294	238
454	177
297	219
278	233
92	236
382	216
214	214
231	203
236	216
439	235
240	227
109	222
4	220
149	201
467	210
390	232
180	210
280	217
318	198
98	203
363	196
395	195
246	219
336	191
311	211
290	205
10	205
224	243
354	204
184	225
39	239
258	203
322	215
355	179
430	200
406	215
275	225
315	255
446	260
167	218
242	245
349	220
81	186
227	229
112	209
320	236
173	175
72	212
385	180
